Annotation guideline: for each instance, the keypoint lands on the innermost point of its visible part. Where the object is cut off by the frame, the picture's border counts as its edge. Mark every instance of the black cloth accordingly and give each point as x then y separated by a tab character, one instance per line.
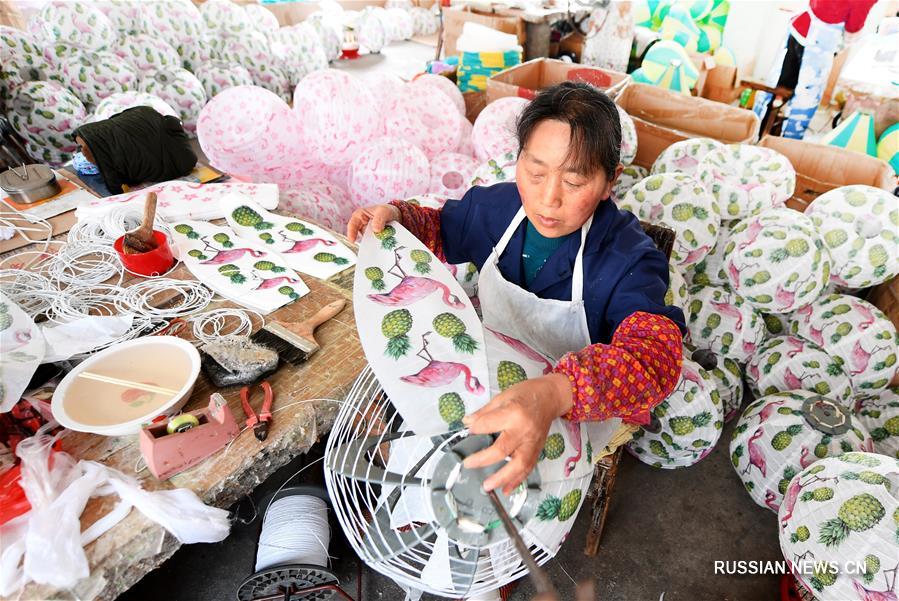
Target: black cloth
789	72
138	145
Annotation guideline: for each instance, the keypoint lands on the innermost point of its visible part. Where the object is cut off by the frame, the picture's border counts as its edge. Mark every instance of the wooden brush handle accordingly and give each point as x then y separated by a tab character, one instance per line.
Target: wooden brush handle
306	328
145	231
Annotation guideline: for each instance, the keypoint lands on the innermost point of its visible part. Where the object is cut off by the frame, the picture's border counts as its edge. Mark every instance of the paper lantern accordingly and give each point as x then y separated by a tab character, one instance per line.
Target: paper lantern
122	101
629	176
747	179
674	79
329	33
684	156
335	131
424	21
699	9
659	56
709	39
261	19
777	261
181	90
659	10
840	522
776	325
728	378
388	169
22	61
494	130
678	26
300	50
402	20
431	201
628	137
879	413
195	53
445	86
466	146
677	201
147	53
710	270
178	22
855	331
93	76
234	127
225	17
383	87
786	363
856	133
78	23
725	57
718	15
425	118
860	226
678	292
125	15
253	51
685	426
451	173
218	76
371	30
888	146
641	13
45	115
496	170
722	322
639	76
781	434
318	200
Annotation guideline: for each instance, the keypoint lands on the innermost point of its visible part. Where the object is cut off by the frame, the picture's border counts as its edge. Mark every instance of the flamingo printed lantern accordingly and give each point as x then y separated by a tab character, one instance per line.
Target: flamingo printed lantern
777	261
147	53
46	115
710	270
880	415
685	427
629	177
722	322
93	76
728	379
781	434
78	23
116	103
681	203
182	91
22	61
856	332
678	293
685	156
844	511
217	76
317	199
496	170
747	179
628	137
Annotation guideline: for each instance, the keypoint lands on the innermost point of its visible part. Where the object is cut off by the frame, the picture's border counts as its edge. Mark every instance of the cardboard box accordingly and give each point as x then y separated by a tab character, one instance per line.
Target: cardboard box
455	18
722	84
820	168
526	79
474	104
663	117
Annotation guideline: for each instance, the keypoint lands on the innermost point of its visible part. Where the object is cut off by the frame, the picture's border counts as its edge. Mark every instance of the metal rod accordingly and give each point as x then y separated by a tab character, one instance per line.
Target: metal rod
541	581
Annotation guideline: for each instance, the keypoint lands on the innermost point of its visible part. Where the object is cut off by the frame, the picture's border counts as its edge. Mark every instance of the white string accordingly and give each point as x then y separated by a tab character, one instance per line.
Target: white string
211	325
113	223
294	530
85	263
31	291
138	297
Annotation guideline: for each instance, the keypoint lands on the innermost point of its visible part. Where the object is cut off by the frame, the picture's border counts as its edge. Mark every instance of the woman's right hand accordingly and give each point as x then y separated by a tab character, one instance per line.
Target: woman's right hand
378	215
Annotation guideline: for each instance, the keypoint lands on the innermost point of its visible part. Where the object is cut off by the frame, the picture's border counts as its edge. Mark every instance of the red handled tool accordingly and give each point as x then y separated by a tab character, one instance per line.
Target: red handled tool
260	423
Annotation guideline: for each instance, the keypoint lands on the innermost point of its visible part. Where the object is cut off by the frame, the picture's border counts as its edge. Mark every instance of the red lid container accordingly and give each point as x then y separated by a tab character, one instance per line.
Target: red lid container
152	263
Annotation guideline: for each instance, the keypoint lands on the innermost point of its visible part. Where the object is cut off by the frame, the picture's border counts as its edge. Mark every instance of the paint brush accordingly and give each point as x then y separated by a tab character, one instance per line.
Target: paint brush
295	343
140	240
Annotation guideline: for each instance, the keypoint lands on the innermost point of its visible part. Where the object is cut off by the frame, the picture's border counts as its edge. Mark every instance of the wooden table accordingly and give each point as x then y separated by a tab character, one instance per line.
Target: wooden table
136	545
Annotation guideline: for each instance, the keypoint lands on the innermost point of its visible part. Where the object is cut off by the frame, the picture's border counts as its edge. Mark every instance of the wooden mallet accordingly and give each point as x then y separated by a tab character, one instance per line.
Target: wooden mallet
141	240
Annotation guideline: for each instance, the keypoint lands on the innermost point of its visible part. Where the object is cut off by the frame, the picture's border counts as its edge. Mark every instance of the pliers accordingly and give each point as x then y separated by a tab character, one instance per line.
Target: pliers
259	424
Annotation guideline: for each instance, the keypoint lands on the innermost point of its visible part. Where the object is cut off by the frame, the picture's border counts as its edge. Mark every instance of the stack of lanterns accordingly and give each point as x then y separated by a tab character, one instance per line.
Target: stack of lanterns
857	133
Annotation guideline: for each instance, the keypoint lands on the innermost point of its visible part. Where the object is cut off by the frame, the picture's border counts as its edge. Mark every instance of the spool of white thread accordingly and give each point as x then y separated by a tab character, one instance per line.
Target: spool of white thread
295	530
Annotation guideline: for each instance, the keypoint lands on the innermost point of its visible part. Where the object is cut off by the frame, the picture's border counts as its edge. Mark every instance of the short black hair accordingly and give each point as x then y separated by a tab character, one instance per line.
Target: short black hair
593	119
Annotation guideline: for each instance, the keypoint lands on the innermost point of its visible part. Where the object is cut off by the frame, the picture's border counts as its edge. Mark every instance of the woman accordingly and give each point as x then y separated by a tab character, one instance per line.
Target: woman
562	269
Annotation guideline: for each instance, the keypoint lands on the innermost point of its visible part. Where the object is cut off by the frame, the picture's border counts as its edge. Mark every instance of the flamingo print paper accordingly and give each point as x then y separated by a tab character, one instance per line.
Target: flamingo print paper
238	269
180	199
419	331
746	179
23	349
305	247
685	156
774	440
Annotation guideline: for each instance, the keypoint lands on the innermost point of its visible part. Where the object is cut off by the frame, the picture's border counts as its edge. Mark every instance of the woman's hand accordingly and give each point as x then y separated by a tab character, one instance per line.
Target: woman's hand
522	415
378	215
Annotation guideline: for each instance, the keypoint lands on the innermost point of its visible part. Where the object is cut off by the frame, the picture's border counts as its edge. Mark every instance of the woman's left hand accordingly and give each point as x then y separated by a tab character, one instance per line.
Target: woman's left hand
522	414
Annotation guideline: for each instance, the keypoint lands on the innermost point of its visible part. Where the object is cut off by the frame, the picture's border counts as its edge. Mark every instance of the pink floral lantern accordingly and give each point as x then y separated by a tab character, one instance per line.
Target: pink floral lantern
445	86
338	115
466	146
494	129
388	169
424	117
318	200
451	174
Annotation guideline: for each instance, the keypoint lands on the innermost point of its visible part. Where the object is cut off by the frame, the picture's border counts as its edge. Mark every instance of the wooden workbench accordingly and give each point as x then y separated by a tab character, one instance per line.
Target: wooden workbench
136	545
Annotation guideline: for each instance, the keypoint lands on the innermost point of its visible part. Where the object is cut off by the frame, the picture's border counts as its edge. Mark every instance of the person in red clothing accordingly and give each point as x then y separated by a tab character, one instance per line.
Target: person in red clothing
815	35
563	270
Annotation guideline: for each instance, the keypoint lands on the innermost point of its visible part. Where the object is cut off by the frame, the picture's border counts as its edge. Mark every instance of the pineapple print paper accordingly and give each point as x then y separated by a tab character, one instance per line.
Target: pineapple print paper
776	324
421	334
781	434
860	226
788	363
627	179
240	270
855	331
23	349
685	156
181	90
710	270
722	322
46	115
686	426
122	101
303	246
746	180
728	378
777	261
22	61
678	293
628	137
879	413
76	23
496	170
145	52
93	76
677	201
556	513
845	510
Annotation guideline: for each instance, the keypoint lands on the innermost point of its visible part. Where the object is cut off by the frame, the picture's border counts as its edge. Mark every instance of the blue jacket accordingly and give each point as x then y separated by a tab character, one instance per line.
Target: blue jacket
624	272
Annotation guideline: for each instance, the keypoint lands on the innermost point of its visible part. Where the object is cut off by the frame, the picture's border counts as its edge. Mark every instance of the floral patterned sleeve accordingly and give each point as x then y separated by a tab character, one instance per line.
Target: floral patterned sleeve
628	377
424	223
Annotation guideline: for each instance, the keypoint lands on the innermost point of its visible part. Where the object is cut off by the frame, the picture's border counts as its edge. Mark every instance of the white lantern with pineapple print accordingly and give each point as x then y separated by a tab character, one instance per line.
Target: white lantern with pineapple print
879	412
722	322
629	176
685	156
746	180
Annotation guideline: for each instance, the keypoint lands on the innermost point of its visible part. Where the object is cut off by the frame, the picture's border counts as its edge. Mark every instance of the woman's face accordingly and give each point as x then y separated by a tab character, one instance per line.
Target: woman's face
556	199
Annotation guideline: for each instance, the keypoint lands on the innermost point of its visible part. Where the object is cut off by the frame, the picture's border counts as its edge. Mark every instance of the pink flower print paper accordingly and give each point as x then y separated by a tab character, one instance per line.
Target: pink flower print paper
388	169
424	117
451	174
494	130
320	200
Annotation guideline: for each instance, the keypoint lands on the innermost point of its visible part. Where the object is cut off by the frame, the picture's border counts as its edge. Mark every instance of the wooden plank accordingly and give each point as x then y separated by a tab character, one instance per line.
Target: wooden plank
136	545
